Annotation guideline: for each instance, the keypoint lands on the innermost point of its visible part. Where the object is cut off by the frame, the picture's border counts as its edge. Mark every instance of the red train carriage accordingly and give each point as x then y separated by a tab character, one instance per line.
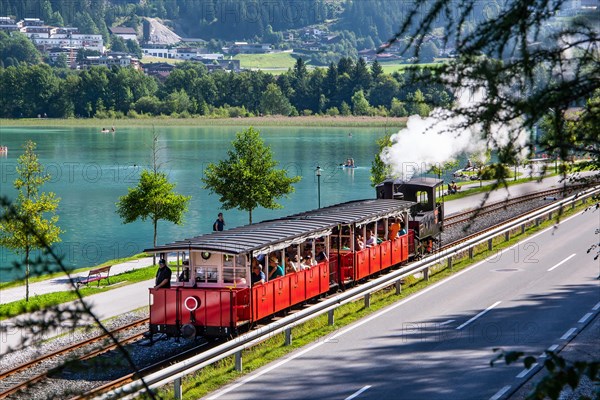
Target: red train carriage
213	295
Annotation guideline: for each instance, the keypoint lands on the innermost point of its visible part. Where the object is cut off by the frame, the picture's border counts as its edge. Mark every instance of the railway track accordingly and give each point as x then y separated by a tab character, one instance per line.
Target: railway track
467	216
35	371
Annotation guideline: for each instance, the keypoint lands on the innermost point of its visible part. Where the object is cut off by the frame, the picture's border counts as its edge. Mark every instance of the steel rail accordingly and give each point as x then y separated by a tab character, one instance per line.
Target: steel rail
465	216
41	376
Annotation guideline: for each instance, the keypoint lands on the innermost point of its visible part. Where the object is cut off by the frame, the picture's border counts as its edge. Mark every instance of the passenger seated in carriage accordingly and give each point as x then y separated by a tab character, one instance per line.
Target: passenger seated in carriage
371	239
360	243
257	275
275	270
393	229
402	229
321	255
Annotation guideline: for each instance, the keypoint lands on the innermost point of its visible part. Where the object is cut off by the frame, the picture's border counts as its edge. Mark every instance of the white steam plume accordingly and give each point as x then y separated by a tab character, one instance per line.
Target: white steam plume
441	137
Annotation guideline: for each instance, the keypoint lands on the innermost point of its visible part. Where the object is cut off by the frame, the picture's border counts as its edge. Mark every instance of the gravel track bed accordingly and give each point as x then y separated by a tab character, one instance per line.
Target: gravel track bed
80	376
480	222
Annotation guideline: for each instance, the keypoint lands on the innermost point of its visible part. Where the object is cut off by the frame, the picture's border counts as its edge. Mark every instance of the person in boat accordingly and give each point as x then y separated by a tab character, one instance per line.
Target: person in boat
349	163
112	129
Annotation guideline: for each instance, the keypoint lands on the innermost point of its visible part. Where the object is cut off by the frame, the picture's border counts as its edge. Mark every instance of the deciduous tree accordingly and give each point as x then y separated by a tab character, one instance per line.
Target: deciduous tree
154	198
248	178
35	225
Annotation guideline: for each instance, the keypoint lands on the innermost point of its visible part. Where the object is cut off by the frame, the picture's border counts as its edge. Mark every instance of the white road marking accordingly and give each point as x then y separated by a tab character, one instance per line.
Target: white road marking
596	307
524	373
478	315
553	347
585	318
562	262
357	393
500	393
568	333
447	322
377	315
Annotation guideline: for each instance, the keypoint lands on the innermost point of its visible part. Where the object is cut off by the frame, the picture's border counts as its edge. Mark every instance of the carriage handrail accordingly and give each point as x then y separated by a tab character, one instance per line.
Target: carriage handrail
249	339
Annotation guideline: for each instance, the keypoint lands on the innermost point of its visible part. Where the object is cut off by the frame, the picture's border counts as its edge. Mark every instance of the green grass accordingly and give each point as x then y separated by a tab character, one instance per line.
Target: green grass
311	121
393	66
221	373
35	303
266	61
21	282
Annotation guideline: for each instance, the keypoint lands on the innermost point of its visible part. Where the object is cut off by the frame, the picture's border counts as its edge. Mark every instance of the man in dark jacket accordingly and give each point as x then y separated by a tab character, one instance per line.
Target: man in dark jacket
163	276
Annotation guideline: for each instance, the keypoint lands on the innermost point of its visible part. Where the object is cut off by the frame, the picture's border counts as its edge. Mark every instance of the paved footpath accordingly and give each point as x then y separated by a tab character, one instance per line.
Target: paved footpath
130	297
62	284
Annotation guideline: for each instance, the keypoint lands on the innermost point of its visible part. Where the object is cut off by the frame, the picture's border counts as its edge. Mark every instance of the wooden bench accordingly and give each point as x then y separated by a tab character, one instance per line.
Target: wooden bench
96	275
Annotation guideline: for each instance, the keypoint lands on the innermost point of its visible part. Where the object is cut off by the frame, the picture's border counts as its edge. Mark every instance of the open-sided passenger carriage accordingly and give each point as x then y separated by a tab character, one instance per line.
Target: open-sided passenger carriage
218	300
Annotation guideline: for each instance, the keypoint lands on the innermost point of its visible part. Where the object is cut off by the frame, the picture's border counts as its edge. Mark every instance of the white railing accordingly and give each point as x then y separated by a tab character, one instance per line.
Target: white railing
235	347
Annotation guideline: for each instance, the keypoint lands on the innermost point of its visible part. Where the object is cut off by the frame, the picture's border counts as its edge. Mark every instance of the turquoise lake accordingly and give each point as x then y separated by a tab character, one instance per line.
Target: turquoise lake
90	170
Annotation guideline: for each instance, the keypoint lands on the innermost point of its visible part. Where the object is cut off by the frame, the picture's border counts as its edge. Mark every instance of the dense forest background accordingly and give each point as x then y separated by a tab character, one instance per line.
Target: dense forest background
347	88
370	21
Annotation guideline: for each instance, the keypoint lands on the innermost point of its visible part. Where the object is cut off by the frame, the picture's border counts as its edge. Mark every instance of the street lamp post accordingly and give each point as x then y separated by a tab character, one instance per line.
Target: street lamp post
318	172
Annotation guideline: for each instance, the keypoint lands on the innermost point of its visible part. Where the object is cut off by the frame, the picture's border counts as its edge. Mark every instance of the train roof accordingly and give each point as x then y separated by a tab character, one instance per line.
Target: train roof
424	182
277	234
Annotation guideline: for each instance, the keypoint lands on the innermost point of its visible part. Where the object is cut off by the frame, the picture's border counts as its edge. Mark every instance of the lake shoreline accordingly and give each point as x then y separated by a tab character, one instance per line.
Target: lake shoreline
302	121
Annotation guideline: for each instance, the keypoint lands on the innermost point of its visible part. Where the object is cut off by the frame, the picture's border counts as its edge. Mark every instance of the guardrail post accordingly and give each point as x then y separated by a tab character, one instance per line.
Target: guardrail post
470	253
238	361
177	388
426	274
450	263
490	244
398	287
537	222
288	336
550	215
367	300
330	317
506	236
522	229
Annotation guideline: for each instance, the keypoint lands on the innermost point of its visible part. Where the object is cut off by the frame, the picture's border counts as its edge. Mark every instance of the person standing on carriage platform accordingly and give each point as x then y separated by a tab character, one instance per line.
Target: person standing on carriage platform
163	275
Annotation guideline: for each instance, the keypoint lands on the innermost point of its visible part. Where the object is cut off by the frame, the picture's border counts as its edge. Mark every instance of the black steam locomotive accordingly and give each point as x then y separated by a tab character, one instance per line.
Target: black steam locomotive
427	216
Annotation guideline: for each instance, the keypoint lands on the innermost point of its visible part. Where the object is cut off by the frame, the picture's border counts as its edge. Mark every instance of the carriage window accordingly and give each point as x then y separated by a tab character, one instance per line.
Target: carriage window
235	269
207	274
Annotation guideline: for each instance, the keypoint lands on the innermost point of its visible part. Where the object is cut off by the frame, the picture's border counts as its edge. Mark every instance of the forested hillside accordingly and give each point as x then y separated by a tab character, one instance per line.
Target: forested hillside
223	19
372	20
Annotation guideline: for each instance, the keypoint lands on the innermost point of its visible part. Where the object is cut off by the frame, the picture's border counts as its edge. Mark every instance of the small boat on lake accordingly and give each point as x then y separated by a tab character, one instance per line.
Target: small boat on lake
3	149
348	164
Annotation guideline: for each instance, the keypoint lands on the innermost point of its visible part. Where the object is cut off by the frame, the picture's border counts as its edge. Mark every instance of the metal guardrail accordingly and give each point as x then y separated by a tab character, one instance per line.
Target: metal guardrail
235	347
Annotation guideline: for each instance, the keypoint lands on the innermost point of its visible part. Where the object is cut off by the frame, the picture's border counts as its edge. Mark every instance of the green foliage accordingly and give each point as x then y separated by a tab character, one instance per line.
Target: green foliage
29	228
17	48
274	102
360	104
524	84
379	170
248	178
154	198
561	373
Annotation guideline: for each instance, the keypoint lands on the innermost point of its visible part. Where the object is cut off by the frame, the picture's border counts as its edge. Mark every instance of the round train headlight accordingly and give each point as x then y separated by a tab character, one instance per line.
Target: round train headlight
191	303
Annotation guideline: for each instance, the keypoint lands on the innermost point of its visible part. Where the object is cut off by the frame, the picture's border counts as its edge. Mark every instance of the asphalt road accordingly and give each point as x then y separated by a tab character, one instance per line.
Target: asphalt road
438	343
